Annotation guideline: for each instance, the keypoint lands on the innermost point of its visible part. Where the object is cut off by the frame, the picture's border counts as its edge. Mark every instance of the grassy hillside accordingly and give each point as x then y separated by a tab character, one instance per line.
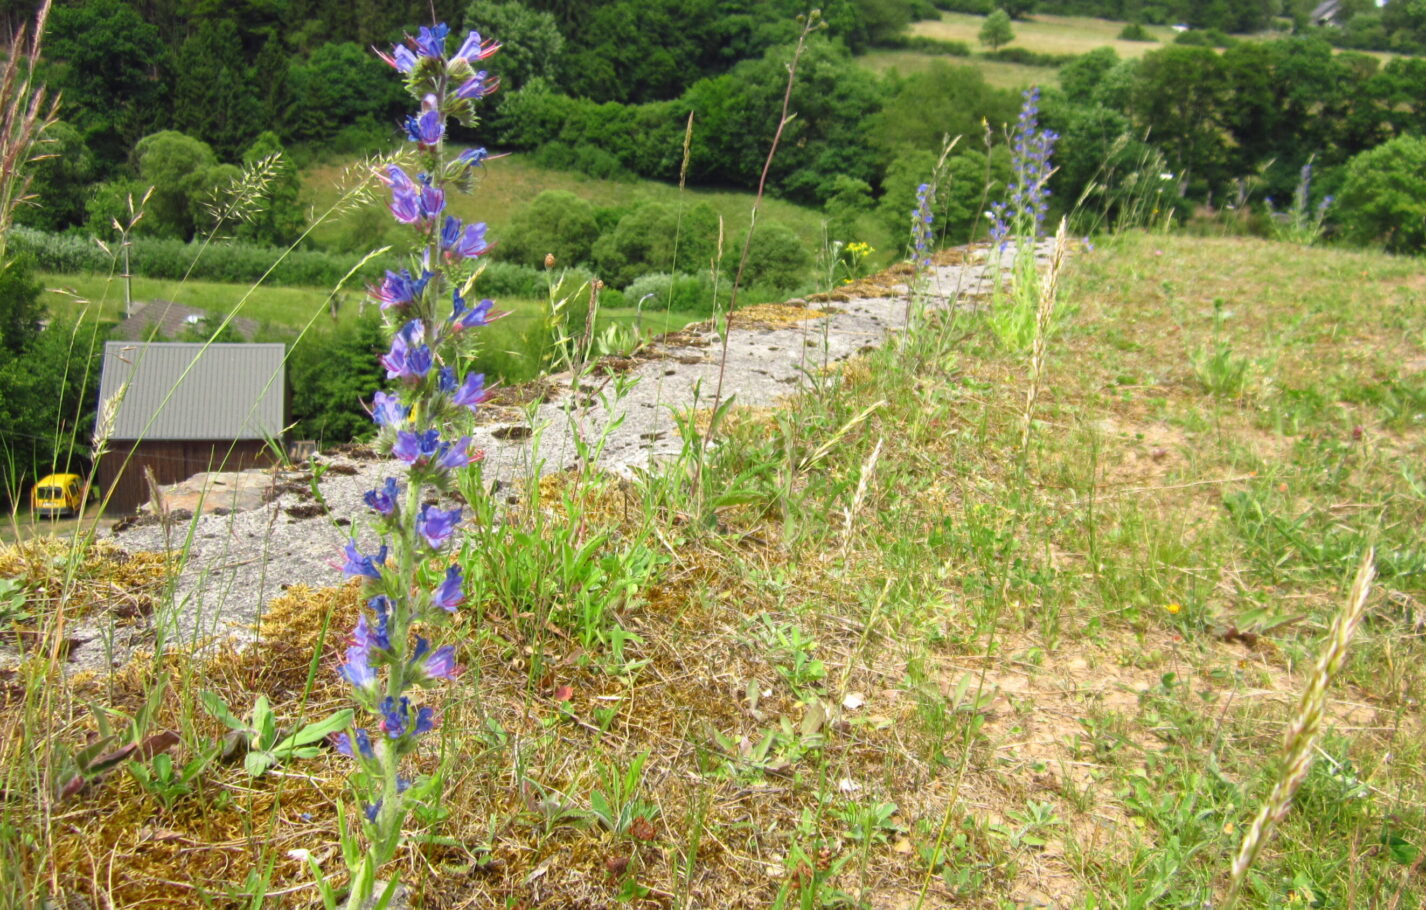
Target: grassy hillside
508	184
885	652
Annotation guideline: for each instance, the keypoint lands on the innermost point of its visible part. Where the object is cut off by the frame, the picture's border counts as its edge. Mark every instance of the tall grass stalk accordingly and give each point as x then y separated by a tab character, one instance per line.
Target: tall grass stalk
1300	738
26	113
1044	316
811	22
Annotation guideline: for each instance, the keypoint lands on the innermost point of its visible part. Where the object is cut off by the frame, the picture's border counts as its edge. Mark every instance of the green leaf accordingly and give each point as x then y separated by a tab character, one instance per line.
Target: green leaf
322	729
256	763
215	706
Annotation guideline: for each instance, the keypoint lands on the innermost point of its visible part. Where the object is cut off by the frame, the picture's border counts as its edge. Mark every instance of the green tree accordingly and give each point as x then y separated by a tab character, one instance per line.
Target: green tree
281	218
180	170
1182	96
777	258
1081	76
47	401
738	113
112	69
996	31
1383	197
943	101
330	373
644	243
850	200
556	221
215	94
108	203
341	84
61	181
530	40
20	307
1016	9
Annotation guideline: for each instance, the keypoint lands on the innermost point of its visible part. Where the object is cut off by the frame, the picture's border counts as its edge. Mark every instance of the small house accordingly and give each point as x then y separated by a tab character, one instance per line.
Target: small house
166	320
1328	12
185	409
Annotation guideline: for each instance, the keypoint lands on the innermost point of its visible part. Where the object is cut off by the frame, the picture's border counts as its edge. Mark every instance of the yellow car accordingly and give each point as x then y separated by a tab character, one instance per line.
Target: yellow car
58	495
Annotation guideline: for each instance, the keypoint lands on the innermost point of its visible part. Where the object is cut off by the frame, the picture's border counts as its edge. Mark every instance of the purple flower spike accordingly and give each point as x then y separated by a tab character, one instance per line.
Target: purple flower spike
450	232
383	501
478	86
431	41
447	383
396	719
414	448
427	129
381	606
471	243
343	744
471	392
396	178
449	595
440	664
437	525
408	358
399	289
400	58
433	201
405	206
388	411
463	317
358	565
455	455
357	670
473	48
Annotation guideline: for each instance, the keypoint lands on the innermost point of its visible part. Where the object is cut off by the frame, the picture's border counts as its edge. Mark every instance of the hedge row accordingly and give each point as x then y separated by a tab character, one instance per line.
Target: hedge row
235	263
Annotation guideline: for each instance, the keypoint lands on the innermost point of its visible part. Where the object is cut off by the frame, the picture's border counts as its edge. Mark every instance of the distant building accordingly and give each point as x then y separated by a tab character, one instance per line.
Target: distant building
188	408
1328	12
166	320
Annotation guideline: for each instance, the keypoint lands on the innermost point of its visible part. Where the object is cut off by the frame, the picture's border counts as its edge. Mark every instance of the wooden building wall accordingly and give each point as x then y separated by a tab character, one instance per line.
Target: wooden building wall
172	460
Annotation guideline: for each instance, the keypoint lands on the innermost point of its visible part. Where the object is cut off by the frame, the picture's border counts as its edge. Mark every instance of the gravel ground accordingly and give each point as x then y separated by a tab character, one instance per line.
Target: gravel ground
239	561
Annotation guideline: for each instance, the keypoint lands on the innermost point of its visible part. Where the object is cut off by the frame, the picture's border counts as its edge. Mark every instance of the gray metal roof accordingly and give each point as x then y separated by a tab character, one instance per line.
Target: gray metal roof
189	391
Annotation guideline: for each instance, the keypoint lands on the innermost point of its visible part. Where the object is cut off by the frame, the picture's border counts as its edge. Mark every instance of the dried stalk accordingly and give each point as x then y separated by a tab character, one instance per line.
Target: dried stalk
1302	733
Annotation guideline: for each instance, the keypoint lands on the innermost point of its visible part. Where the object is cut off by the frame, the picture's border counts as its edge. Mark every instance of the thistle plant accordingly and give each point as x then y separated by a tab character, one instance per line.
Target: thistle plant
409	583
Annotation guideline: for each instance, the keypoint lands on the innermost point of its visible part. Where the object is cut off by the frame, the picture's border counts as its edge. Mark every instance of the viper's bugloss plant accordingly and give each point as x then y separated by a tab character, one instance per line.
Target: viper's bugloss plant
410	583
1022	214
1020	219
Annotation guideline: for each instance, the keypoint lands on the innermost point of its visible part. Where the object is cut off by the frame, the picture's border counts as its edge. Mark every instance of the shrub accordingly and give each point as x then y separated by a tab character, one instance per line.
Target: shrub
1383	197
679	293
1135	31
777	258
927	45
557	222
1026	57
647	239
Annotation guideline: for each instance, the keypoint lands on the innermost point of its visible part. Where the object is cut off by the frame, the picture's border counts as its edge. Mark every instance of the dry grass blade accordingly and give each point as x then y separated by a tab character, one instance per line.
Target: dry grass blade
26	113
1049	290
1304	729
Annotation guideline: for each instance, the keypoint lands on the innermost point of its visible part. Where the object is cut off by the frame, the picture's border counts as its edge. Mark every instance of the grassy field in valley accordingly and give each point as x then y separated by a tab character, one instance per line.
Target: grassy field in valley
997	73
878	651
1046	34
